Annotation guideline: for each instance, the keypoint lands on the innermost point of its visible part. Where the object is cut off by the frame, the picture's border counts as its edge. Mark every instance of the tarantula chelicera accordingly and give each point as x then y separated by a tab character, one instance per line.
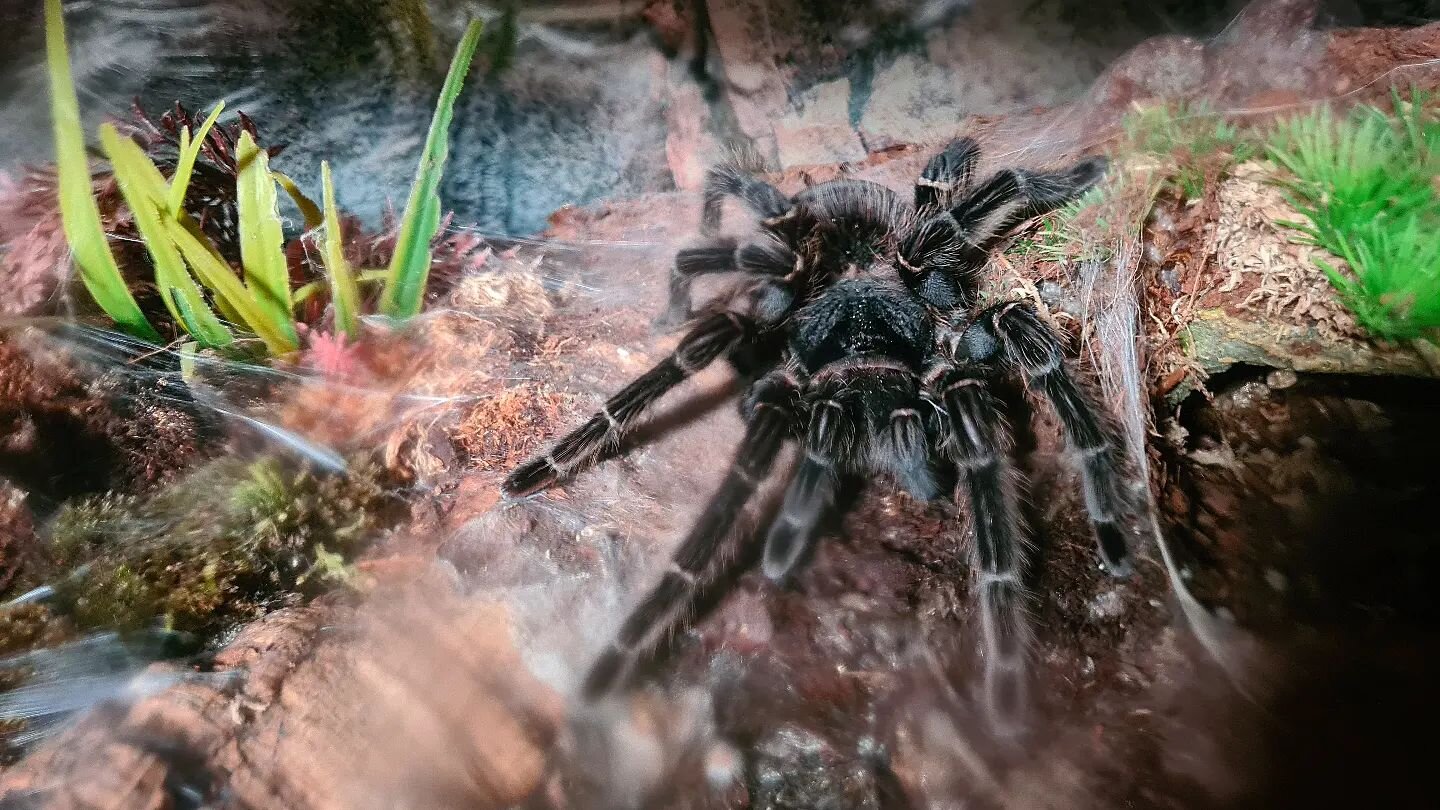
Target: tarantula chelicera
855	326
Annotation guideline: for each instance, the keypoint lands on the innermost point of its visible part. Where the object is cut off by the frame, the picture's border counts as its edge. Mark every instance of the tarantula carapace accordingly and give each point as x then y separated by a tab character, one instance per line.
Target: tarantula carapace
855	325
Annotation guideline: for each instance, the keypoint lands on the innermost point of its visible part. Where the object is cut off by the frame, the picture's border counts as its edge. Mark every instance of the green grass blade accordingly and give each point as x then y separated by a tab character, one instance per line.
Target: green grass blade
308	209
190	146
304	292
410	268
1365	182
216	274
262	237
80	216
144	189
344	296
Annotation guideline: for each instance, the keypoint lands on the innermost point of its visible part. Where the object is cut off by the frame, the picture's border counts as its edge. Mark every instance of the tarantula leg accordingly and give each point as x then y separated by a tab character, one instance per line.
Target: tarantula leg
811	492
947	174
941	258
731	180
1034	348
717	257
709	339
771	421
768	258
977	442
1048	192
1012	196
906	446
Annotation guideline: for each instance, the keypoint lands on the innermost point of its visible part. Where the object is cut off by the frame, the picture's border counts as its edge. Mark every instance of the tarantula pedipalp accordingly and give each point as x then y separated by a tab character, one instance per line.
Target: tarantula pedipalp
855	325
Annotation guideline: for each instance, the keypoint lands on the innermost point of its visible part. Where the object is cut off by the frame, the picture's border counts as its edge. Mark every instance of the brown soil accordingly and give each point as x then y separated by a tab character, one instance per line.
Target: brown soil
68	429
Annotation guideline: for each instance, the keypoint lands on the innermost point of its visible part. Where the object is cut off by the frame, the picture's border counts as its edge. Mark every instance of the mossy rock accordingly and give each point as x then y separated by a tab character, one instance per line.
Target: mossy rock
215	549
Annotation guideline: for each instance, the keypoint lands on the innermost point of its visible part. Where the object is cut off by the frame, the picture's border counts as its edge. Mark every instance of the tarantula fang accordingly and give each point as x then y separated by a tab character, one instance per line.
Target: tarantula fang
855	323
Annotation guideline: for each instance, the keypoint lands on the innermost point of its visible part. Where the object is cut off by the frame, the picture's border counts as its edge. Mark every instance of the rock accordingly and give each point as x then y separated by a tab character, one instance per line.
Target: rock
422	702
912	100
752	39
690	149
672	22
1218	341
794	767
1270	46
996	58
818	131
1162	67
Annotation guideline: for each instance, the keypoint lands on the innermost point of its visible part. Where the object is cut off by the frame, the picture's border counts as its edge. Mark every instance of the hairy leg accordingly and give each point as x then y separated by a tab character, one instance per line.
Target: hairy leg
1033	348
941	258
766	257
811	492
863	417
771	421
947	174
978	443
729	180
709	339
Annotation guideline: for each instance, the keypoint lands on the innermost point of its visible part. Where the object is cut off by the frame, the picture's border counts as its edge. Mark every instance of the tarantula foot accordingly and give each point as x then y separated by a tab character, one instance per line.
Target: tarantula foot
1089	171
604	675
530	477
1114	551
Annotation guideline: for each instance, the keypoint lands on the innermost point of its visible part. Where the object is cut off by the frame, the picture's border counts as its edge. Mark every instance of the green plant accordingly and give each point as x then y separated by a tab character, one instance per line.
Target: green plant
343	291
1065	233
1198	140
410	267
257	296
80	215
1366	185
215	548
142	186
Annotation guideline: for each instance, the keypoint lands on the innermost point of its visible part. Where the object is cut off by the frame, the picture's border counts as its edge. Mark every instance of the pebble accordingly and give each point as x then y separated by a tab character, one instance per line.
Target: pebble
1107	605
1276	580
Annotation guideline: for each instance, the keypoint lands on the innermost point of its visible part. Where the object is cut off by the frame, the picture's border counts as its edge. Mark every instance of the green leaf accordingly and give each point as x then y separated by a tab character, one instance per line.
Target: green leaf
262	237
308	209
144	189
79	214
410	267
190	146
304	292
344	296
216	274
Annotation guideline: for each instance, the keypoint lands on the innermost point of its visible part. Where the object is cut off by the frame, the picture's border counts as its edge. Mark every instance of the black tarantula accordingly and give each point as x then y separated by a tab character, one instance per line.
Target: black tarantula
857	329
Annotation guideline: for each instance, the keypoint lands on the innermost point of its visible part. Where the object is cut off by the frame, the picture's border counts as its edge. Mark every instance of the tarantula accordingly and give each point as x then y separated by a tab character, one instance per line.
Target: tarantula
855	325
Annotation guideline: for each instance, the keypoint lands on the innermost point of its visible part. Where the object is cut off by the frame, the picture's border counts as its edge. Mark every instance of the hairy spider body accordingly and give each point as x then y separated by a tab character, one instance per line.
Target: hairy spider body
855	324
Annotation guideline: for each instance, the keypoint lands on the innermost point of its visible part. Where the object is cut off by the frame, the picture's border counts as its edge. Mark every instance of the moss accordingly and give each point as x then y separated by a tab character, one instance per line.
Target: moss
1202	144
24	628
219	547
78	532
28	627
